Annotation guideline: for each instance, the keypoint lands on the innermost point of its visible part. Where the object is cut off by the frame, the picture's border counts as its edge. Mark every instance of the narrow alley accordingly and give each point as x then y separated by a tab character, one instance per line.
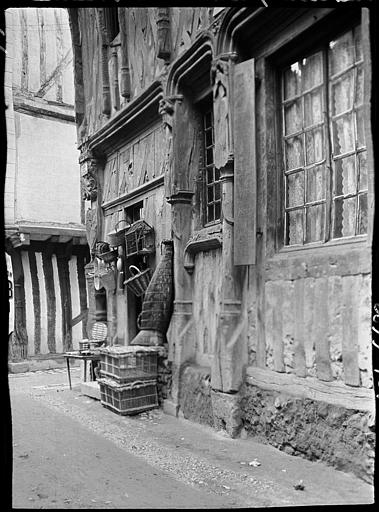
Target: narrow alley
190	226
70	452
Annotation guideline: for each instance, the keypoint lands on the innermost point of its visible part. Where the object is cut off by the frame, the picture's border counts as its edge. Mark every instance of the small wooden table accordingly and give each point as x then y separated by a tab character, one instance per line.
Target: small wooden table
83	357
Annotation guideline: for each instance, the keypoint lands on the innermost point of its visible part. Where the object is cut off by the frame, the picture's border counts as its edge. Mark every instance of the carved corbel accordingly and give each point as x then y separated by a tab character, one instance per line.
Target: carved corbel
88	172
163	33
200	243
221	72
167	109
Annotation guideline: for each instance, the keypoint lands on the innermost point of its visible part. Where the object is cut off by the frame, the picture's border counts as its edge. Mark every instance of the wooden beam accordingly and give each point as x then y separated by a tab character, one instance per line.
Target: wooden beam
335	393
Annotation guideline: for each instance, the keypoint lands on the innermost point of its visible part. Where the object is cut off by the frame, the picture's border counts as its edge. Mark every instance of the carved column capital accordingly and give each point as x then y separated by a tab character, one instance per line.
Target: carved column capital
227	171
181	196
222	64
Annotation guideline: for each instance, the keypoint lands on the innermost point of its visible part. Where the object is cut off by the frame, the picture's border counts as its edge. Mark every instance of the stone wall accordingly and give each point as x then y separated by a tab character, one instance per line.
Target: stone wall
317	431
164	375
195	394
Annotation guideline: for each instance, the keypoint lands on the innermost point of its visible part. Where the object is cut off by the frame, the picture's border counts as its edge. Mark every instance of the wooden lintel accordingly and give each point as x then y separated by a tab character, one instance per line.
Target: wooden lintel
133	195
54	239
64	239
131	119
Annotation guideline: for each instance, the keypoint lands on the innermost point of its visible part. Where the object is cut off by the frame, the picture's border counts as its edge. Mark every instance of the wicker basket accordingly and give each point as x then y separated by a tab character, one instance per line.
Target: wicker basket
129	363
99	332
86	346
117	237
139	282
101	247
132	398
109	256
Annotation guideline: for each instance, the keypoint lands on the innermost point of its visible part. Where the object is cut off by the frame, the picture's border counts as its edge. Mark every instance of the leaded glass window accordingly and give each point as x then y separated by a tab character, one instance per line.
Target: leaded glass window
324	143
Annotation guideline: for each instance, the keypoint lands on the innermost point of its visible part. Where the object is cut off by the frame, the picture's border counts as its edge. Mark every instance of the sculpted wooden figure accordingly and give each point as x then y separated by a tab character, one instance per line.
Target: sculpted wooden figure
220	77
88	170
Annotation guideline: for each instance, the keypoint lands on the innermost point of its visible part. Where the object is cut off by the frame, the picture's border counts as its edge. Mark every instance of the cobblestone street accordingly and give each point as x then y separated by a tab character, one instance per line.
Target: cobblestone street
70	452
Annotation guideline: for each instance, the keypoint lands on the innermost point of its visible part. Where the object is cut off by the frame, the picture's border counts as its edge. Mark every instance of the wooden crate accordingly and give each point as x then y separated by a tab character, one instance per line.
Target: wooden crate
130	398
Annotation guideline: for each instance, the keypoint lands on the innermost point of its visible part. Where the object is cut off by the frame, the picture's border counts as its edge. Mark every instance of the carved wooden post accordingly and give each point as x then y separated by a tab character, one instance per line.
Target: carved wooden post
124	68
88	173
163	33
104	62
180	332
115	87
91	318
230	355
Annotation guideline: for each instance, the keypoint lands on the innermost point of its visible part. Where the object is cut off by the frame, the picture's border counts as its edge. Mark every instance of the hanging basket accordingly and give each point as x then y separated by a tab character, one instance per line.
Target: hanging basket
108	256
117	237
101	247
139	281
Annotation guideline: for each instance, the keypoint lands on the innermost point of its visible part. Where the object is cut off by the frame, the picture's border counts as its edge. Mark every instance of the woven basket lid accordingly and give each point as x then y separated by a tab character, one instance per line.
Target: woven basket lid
99	331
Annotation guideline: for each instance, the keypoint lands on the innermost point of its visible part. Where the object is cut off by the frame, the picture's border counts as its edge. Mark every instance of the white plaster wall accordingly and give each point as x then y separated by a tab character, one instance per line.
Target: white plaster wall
48	176
9	191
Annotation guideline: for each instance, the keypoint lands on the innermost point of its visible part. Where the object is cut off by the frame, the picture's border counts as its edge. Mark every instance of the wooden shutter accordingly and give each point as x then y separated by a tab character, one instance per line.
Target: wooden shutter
245	180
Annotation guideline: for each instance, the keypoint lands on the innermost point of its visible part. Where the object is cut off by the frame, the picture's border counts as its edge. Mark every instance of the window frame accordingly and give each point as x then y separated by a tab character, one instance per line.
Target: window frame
204	106
276	69
215	182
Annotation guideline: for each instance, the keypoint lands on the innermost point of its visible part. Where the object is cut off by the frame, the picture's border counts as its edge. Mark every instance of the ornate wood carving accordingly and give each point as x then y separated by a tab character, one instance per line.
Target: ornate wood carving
163	33
200	242
88	173
124	68
104	62
114	75
221	72
166	110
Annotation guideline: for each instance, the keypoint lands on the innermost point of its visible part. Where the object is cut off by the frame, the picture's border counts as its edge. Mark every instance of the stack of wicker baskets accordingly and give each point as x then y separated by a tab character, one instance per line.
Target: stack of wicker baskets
128	378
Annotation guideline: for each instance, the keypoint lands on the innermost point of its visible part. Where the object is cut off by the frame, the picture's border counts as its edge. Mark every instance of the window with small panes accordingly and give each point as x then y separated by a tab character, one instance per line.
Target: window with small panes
212	184
323	142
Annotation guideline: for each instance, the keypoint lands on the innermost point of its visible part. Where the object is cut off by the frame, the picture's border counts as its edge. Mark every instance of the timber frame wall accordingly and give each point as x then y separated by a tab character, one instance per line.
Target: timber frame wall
267	313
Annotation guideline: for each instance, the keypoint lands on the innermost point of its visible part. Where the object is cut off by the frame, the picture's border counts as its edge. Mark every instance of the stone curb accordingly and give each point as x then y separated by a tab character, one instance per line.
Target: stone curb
35	365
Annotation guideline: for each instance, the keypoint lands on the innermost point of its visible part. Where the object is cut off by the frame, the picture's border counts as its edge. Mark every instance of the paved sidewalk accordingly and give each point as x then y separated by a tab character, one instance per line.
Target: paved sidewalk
246	473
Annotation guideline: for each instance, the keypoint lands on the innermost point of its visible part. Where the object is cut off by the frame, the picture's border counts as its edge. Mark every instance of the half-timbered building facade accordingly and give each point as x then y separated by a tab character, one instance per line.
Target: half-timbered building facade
243	136
44	229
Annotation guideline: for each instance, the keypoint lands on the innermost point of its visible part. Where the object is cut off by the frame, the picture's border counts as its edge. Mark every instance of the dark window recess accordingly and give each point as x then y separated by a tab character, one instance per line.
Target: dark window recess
111	23
212	184
325	171
134	212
